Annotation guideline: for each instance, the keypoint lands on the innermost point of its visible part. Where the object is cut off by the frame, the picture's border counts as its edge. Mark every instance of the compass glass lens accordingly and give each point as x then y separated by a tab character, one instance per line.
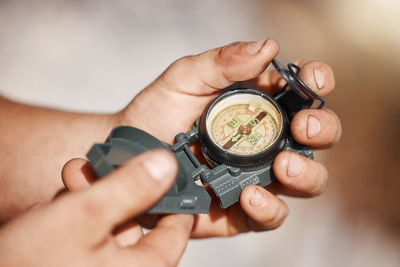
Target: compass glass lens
244	124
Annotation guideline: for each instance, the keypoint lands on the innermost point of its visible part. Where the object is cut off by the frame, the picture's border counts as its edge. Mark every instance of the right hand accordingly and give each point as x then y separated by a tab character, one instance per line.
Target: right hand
78	228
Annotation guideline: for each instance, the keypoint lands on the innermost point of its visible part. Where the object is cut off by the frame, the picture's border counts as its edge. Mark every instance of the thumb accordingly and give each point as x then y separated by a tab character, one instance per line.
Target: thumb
191	82
125	193
218	68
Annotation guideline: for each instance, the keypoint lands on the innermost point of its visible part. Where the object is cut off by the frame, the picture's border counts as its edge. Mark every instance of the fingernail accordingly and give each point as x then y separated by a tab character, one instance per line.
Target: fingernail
256	199
158	165
296	166
313	126
254	47
319	78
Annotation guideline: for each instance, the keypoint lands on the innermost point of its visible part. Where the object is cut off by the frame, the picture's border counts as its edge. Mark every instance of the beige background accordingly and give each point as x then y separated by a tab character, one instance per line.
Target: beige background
96	55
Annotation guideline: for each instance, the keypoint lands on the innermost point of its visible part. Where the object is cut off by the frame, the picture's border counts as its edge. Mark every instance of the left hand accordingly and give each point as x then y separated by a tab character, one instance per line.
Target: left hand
177	98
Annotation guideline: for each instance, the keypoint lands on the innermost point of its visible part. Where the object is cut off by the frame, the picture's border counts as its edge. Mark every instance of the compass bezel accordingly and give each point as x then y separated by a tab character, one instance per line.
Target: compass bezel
217	155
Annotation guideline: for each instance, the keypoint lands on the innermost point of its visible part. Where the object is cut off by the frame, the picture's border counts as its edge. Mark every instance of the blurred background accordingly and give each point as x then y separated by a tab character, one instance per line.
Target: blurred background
94	56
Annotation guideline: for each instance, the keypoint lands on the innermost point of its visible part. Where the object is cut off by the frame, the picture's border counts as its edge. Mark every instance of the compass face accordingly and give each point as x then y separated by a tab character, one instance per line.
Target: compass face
244	124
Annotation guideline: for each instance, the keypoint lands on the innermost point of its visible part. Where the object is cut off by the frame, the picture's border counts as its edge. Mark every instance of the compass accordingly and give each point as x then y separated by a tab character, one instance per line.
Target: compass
240	133
244	128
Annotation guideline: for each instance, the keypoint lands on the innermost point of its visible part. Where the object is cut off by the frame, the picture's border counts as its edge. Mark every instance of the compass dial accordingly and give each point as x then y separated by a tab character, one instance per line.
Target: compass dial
244	124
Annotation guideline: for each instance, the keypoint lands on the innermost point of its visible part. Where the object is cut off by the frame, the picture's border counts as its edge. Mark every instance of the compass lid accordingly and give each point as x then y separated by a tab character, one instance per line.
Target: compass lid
126	142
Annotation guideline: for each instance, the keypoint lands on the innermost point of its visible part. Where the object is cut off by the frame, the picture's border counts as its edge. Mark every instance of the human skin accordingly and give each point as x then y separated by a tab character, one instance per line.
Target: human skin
77	228
188	85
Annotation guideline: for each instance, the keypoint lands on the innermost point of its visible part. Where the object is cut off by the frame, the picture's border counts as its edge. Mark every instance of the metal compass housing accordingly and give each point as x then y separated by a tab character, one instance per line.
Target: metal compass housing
240	133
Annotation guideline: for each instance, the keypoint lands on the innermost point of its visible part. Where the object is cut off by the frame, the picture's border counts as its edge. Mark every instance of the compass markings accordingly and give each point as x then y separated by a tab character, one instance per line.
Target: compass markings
244	128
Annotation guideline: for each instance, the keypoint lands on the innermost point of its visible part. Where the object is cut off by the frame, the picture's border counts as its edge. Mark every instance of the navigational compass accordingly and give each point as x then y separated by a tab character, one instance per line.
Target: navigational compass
240	133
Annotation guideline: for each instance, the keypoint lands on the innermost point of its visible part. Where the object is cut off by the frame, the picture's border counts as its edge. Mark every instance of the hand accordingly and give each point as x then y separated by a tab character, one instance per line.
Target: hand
176	99
77	228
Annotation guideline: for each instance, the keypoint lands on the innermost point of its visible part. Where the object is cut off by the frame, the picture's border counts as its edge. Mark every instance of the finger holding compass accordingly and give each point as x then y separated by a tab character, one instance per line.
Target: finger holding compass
318	128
